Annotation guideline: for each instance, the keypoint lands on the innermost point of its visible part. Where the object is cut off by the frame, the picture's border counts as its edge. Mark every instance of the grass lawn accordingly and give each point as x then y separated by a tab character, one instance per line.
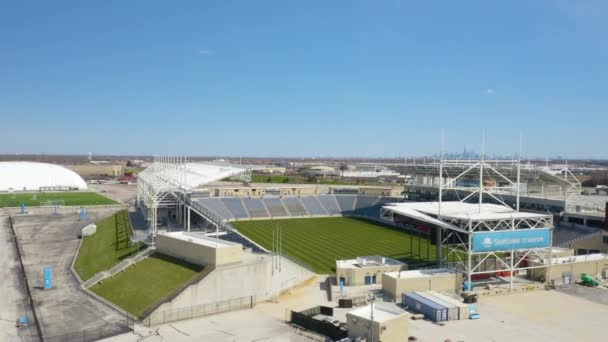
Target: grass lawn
107	247
143	284
33	199
319	242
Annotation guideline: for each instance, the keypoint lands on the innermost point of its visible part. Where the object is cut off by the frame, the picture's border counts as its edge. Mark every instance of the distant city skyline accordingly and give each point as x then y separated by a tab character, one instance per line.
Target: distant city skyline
308	79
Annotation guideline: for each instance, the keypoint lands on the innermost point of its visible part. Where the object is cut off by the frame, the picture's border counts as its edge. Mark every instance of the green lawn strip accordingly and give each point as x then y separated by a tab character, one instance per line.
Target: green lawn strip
34	199
140	286
318	242
107	247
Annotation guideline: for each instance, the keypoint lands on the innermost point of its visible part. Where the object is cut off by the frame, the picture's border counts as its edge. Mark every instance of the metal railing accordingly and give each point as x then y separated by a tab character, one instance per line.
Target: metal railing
180	314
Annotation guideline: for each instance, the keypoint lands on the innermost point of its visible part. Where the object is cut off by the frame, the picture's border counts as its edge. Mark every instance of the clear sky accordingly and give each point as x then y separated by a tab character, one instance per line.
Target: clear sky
303	78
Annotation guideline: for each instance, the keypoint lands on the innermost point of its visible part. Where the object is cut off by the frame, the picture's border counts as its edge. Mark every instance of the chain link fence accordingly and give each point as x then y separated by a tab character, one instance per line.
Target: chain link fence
180	314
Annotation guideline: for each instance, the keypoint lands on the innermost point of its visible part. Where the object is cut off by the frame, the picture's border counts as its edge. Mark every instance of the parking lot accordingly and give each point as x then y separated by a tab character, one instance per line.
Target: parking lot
123	193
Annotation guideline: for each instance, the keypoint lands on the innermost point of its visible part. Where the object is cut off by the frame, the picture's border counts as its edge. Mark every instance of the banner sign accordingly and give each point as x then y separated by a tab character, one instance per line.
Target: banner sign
511	240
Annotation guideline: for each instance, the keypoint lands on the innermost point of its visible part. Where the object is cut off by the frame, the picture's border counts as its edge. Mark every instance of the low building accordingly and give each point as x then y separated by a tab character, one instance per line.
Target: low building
388	325
583	240
198	249
558	252
274	169
384	176
261	190
366	270
437	279
571	266
390	191
94	170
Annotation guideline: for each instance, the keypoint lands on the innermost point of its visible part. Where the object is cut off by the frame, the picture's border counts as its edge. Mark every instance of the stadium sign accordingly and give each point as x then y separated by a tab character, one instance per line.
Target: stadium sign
511	240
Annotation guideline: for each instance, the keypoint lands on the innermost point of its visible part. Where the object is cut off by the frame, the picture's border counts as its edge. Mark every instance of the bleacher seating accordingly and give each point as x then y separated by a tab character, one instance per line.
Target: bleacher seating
564	235
235	205
234	237
216	206
330	204
229	208
374	210
365	202
275	207
346	202
294	206
313	206
256	207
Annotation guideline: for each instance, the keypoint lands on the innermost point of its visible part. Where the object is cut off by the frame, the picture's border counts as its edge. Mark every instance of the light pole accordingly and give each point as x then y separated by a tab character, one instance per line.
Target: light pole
372	299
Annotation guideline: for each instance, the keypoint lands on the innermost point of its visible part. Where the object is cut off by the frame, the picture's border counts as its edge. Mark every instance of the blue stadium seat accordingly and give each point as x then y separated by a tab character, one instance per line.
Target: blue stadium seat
330	204
313	206
215	206
346	202
235	206
256	207
275	207
294	206
234	237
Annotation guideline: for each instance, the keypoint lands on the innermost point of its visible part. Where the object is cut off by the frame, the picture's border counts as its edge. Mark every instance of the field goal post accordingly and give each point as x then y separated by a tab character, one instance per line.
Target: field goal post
53	205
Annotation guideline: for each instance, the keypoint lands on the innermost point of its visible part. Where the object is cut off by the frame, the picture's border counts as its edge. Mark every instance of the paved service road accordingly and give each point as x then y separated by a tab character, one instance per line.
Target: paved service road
65	308
13	298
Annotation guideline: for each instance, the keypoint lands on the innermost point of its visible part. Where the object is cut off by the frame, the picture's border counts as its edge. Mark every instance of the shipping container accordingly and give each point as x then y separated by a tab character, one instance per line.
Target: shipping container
428	308
452	309
463	309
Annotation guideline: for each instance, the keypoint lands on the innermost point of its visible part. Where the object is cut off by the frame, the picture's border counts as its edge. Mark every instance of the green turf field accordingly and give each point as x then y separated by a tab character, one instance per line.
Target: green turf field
143	284
33	199
319	242
107	247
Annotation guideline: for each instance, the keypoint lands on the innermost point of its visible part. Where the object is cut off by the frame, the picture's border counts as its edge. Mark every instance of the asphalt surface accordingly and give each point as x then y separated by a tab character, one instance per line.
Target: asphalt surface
65	308
14	301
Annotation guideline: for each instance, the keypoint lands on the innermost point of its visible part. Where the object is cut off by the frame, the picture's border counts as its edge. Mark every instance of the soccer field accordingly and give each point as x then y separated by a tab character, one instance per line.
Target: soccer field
319	242
32	199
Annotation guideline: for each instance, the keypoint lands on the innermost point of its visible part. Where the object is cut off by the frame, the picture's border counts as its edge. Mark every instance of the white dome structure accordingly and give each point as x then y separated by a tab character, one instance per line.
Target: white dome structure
29	176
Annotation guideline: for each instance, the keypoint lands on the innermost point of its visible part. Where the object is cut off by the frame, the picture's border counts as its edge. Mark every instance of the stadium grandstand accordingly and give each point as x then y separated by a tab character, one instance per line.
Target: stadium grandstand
168	199
225	209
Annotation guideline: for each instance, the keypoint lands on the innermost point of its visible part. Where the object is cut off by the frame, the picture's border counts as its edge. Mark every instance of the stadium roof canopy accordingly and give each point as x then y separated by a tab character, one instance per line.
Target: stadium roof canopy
454	212
30	176
460	210
186	176
166	182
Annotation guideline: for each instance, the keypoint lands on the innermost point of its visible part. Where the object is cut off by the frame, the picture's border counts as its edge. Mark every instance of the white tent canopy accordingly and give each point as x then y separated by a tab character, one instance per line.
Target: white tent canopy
30	176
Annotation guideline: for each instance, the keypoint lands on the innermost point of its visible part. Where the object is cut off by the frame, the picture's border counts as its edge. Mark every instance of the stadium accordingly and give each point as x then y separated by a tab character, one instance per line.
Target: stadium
200	239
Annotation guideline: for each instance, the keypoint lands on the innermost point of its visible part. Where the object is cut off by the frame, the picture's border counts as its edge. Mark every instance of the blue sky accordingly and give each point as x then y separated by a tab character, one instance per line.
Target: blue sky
303	78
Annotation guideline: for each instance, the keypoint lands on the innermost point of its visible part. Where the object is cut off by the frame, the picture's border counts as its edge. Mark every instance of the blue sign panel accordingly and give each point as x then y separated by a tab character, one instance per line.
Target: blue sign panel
47	277
83	214
511	240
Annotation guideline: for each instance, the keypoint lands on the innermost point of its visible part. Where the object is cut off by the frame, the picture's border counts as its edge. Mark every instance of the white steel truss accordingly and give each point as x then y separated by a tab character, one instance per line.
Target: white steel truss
168	181
455	248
